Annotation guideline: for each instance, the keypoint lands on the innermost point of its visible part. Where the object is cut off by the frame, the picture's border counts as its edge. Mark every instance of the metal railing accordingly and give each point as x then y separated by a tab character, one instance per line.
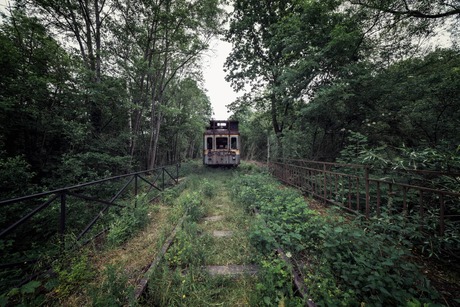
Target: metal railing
78	198
354	189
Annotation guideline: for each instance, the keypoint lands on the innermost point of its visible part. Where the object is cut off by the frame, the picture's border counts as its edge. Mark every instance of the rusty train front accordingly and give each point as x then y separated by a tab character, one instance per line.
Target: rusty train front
221	143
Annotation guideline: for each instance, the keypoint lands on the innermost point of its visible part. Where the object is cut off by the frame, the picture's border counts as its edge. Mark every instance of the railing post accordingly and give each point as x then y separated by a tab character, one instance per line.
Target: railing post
135	185
63	213
368	196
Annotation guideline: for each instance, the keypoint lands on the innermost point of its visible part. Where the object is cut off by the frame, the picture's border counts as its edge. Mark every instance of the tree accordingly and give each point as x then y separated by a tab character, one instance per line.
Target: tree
411	8
167	39
35	93
84	22
185	116
413	103
287	49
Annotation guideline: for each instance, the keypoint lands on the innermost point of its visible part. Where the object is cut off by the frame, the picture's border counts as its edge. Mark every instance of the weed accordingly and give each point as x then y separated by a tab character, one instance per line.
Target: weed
72	274
275	285
186	250
114	289
192	204
129	220
26	295
208	189
353	262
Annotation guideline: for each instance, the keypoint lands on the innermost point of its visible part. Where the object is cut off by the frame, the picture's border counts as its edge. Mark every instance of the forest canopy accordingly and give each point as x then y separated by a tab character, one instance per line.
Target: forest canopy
323	73
92	88
98	87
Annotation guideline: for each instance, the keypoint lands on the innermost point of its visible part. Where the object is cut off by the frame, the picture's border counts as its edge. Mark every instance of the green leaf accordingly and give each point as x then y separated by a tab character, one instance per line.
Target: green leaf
30	287
338	229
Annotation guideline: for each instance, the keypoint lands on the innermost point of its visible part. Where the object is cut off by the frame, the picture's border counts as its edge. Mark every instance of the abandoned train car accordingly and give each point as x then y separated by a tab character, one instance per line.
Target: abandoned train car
221	143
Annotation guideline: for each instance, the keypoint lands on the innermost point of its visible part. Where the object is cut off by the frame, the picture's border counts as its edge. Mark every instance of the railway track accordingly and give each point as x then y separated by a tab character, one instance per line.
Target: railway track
228	240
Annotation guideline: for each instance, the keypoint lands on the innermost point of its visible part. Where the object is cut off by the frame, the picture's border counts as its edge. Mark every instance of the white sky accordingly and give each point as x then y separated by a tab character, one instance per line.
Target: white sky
218	90
3	4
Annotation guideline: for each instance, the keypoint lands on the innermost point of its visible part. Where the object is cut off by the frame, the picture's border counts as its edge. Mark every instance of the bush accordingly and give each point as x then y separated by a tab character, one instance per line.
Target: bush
191	202
345	262
88	166
72	274
15	177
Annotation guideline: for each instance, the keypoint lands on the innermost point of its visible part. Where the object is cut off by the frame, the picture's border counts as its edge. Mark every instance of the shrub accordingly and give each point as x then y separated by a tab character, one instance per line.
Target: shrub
345	262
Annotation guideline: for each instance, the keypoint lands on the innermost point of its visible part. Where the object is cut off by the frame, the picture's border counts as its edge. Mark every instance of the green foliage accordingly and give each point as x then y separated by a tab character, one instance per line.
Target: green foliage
188	248
72	274
345	262
86	167
407	104
392	162
208	188
185	118
192	204
15	177
275	284
27	295
114	290
193	287
129	220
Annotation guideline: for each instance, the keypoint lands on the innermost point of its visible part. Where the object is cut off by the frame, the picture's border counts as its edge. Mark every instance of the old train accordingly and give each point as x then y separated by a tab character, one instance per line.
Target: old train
221	143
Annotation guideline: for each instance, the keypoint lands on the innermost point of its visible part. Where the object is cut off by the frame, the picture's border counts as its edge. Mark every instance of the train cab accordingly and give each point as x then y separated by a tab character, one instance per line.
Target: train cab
221	143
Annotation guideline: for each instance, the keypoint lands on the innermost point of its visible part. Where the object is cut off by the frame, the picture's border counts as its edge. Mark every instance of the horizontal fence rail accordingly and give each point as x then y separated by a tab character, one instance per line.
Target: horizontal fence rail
24	219
355	189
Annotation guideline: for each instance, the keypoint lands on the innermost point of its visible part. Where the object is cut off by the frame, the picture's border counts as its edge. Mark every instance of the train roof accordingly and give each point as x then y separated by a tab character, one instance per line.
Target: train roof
223	126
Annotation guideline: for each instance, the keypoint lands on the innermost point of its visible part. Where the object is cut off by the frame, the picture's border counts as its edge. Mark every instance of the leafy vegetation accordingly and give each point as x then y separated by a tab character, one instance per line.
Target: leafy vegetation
394	163
322	70
69	270
100	88
94	88
342	262
181	278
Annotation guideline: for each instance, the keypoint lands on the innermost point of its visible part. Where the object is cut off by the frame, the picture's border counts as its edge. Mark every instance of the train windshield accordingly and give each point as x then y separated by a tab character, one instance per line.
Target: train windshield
234	142
222	143
209	143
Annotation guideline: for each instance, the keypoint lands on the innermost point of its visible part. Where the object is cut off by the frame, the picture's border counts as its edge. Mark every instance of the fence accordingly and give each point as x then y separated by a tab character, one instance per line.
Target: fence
355	189
23	219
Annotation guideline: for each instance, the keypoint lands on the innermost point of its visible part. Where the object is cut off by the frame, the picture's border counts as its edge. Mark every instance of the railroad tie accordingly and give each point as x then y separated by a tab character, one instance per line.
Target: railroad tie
232	270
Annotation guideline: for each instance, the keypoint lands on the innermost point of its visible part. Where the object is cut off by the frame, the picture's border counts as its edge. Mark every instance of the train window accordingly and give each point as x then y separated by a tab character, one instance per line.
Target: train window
209	143
234	142
222	143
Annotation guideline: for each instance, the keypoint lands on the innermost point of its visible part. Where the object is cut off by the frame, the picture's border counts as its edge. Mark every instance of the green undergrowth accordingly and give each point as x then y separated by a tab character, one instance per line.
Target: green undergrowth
180	279
343	263
101	273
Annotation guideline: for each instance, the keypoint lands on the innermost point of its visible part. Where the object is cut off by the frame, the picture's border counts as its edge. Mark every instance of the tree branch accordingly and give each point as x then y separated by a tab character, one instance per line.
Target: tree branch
409	12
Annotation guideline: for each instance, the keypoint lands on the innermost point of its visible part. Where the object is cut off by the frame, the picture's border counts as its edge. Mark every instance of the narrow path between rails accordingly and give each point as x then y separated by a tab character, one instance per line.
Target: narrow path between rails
228	225
211	261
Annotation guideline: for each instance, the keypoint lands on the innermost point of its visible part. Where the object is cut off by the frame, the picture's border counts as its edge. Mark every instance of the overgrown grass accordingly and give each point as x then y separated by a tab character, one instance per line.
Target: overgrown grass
104	272
181	279
343	263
